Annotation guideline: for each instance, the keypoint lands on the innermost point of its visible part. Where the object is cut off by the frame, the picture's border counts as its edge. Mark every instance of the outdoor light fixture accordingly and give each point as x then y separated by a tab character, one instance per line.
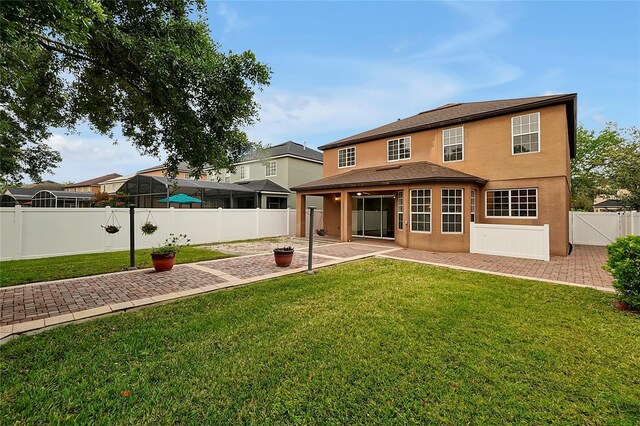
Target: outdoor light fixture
359	194
337	198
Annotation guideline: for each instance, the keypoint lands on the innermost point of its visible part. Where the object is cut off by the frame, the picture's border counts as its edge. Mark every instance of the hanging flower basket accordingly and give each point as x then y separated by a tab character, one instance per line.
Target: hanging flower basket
111	229
321	232
148	228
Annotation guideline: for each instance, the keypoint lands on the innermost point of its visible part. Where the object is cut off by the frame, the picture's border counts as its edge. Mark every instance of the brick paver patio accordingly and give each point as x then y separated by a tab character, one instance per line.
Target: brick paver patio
34	306
583	266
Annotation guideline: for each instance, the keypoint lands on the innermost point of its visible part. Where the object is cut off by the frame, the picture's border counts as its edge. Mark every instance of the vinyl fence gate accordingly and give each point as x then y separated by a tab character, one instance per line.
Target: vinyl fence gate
601	229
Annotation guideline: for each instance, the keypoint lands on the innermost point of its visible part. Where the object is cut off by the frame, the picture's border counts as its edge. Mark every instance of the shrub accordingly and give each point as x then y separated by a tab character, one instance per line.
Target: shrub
624	265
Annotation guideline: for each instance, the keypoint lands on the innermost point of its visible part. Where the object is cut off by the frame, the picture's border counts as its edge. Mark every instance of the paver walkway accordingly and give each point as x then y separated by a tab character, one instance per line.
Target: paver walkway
33	306
583	267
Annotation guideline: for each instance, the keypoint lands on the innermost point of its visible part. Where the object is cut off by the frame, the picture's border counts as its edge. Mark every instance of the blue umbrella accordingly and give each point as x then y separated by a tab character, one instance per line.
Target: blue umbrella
180	199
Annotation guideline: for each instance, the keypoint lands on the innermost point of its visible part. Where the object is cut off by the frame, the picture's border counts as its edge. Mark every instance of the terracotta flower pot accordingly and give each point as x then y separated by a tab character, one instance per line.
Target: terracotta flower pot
163	261
283	257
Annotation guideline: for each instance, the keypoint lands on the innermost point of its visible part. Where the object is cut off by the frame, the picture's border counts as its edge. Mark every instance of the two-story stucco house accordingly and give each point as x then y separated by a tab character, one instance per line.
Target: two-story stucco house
273	171
421	180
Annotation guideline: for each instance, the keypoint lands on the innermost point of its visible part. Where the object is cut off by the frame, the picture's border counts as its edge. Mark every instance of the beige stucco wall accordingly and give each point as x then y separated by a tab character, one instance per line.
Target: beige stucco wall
487	154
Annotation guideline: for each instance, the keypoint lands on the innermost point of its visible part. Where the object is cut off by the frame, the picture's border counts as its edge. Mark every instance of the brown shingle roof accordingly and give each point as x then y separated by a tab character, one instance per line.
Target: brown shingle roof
94	181
396	174
463	112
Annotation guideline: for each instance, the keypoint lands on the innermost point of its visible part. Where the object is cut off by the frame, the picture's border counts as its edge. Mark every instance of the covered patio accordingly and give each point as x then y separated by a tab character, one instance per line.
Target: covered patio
418	205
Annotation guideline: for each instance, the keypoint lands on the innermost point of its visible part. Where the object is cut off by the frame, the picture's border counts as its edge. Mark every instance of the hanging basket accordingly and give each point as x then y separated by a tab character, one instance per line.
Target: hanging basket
149	226
321	232
111	229
111	226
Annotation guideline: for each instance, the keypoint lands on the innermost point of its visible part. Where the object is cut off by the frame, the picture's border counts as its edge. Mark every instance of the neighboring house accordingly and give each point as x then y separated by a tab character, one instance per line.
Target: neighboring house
184	172
421	180
14	196
274	170
91	185
111	186
611	205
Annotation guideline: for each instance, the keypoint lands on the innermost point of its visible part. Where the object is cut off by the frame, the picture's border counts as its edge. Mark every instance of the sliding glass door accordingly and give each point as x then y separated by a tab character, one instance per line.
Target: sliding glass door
373	216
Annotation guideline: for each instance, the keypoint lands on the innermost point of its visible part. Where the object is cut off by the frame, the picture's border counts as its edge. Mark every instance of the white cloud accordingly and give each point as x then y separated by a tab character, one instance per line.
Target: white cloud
85	157
231	17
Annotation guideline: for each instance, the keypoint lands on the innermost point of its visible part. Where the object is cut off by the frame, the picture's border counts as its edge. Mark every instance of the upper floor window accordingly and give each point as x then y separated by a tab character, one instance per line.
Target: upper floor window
452	211
347	157
453	144
512	203
399	149
227	177
244	172
526	133
421	210
272	168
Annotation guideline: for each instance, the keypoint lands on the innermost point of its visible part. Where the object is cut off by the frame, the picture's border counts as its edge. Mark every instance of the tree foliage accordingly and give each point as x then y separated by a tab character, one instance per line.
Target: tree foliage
605	163
147	67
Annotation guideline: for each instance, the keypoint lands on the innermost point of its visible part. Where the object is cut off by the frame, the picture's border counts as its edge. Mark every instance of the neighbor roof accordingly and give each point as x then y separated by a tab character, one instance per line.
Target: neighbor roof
264	185
94	181
464	112
609	203
21	193
422	171
182	167
45	184
287	148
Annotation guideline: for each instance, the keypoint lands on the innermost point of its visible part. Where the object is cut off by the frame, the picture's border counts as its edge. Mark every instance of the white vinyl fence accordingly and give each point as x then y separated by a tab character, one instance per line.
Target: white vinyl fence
601	229
529	242
43	232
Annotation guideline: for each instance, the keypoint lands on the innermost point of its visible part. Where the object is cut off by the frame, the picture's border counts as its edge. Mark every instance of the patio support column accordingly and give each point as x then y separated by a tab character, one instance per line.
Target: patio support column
406	198
301	214
345	216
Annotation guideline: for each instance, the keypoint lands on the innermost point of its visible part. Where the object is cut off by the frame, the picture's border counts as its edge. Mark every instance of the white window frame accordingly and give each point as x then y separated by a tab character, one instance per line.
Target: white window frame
473	205
269	165
242	172
346	157
430	211
513	135
406	140
442	212
443	144
400	211
486	204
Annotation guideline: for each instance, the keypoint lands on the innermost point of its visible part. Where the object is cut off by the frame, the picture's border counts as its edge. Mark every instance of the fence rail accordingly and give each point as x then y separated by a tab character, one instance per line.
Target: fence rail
43	232
529	242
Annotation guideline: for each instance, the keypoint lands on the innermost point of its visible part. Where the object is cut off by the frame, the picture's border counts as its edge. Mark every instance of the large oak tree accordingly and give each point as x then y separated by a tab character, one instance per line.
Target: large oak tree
147	67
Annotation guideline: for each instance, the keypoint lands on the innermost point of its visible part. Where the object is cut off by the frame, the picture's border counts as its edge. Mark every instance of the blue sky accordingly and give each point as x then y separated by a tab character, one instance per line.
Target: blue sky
340	68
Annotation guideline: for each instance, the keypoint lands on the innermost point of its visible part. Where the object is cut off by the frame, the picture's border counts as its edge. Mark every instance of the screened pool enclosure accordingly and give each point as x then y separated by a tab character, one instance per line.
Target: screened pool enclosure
147	191
46	198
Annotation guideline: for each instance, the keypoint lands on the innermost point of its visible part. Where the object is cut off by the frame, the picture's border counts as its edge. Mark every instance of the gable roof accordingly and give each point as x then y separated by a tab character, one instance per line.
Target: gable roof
94	181
421	171
457	113
264	185
288	148
45	184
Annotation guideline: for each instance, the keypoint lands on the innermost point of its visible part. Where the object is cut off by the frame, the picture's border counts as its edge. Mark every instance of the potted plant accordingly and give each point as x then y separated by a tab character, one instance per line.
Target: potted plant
111	229
164	256
283	255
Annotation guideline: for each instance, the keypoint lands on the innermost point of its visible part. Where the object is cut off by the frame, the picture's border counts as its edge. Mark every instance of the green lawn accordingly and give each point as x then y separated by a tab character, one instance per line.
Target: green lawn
14	272
371	342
